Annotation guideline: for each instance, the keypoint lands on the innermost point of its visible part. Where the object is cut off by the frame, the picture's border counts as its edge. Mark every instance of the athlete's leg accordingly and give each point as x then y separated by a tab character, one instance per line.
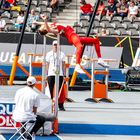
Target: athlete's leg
92	41
79	47
75	40
78	41
96	43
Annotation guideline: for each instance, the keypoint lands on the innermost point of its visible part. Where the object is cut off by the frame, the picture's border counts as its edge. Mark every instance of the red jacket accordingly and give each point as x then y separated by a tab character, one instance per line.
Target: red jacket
11	1
86	8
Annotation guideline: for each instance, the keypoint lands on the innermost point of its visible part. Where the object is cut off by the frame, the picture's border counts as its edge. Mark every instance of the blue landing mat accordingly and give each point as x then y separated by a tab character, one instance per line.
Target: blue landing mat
101	129
98	129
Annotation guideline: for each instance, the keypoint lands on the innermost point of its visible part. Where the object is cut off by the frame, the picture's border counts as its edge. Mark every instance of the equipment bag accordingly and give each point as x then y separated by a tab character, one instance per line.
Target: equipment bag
133	76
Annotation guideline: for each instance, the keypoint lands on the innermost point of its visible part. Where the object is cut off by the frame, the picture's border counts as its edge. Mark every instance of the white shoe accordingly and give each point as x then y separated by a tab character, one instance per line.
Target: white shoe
102	63
78	69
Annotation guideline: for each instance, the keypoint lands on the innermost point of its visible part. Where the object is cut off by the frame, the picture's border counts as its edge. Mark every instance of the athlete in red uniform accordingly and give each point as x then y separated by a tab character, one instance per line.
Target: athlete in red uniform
73	39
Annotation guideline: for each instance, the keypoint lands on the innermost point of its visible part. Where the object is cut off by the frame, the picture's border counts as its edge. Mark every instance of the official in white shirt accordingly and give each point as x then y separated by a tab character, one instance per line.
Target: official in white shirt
51	62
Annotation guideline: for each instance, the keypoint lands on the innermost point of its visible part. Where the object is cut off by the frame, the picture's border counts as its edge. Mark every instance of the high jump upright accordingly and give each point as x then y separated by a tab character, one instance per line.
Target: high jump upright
13	70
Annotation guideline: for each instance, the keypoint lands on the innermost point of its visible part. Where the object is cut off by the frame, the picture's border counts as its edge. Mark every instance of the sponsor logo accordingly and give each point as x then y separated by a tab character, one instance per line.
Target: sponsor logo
8	58
6	114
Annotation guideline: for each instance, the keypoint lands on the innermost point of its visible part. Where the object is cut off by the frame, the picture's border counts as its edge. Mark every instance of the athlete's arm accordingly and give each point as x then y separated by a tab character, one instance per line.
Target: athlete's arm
50	30
38	22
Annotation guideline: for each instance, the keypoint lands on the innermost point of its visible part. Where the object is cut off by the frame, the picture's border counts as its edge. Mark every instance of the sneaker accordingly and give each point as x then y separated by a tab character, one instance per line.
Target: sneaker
78	69
102	63
62	109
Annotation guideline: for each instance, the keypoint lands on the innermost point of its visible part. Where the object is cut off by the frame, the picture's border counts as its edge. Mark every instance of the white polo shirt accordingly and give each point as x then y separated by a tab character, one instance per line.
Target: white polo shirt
20	19
133	10
25	99
51	59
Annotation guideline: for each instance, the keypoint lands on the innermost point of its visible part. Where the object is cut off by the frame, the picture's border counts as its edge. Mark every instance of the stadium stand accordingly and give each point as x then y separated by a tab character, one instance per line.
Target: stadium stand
116	26
68	14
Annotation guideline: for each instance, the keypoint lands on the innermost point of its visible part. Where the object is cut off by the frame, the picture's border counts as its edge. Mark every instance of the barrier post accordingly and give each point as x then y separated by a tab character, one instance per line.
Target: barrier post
55	98
67	71
38	85
92	84
30	64
67	75
92	78
99	90
13	70
106	99
44	67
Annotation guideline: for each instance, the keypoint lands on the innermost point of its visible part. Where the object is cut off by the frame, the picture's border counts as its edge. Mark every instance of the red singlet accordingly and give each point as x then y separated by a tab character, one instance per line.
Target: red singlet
68	31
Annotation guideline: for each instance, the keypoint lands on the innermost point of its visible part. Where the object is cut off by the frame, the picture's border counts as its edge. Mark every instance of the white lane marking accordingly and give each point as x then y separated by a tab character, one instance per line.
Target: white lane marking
2	137
58	136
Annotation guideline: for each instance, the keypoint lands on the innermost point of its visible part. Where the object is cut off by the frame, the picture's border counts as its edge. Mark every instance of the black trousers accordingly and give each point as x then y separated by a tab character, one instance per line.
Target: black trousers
40	120
51	82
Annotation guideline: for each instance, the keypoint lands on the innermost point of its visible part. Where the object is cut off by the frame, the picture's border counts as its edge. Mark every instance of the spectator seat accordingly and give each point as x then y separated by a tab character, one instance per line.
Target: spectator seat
123	32
104	18
133	26
116	19
135	32
111	25
122	26
113	32
137	20
126	20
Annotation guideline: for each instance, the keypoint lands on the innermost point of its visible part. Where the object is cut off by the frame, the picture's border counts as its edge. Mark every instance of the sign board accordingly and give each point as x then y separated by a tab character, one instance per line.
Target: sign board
5	115
7	53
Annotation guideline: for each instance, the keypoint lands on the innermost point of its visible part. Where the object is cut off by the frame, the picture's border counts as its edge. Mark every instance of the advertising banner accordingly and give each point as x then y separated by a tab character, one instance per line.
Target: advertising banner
5	115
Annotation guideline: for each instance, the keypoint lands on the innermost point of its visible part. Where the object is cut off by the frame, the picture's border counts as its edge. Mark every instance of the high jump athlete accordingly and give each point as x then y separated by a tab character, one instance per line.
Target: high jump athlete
73	38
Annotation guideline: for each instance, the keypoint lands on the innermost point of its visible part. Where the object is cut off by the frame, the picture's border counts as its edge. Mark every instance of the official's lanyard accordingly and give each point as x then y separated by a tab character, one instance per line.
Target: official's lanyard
54	58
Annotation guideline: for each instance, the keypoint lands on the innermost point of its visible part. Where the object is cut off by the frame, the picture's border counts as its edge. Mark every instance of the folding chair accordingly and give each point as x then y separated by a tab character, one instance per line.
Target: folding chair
27	126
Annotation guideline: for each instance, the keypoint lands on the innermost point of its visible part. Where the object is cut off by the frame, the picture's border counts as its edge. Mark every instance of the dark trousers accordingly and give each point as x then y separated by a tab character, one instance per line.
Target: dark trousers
51	82
40	120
